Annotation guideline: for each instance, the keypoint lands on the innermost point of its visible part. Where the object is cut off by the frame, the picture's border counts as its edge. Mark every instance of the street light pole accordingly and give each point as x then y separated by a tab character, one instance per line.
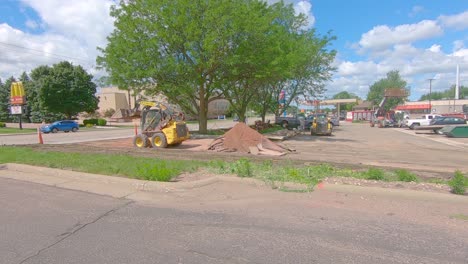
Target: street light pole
430	94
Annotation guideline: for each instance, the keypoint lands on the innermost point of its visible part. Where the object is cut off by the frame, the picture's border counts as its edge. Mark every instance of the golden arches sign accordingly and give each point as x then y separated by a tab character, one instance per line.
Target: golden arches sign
17	95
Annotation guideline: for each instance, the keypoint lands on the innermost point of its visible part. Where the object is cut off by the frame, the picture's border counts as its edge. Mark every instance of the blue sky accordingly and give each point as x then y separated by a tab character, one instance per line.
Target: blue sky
421	39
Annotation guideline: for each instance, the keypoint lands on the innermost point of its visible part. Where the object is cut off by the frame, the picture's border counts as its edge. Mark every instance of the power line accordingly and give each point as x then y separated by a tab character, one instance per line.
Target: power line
43	52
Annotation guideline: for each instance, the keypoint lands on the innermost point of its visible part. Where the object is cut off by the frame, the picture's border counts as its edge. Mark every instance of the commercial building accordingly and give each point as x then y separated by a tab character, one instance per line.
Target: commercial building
438	106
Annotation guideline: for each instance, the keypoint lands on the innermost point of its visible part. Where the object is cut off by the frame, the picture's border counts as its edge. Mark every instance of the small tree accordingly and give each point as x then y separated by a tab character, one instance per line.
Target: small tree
377	90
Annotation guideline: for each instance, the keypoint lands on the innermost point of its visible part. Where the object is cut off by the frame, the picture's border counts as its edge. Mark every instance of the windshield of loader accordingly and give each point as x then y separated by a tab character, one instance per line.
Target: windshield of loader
151	119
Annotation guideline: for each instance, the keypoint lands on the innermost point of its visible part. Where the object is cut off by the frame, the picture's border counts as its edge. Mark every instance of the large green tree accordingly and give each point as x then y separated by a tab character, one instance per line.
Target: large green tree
376	92
195	52
64	89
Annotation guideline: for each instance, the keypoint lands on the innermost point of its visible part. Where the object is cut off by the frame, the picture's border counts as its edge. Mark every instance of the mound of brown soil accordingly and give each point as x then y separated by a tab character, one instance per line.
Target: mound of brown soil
242	138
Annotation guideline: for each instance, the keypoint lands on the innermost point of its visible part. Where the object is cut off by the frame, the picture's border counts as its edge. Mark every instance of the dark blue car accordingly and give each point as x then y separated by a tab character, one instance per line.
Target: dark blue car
64	125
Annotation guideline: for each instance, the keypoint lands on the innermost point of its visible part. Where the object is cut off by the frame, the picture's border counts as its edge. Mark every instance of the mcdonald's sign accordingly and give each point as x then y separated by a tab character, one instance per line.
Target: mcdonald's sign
17	95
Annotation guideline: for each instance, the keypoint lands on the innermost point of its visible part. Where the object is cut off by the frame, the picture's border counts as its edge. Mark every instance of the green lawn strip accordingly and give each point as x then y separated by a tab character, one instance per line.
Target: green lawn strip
12	130
164	170
117	165
460	216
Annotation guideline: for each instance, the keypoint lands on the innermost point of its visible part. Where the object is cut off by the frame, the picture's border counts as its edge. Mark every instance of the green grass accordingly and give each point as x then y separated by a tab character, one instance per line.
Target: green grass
458	183
165	170
118	165
270	130
460	216
12	130
406	176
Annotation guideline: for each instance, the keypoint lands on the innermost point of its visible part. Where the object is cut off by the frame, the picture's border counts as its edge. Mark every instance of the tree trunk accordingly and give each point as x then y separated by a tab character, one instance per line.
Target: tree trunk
203	112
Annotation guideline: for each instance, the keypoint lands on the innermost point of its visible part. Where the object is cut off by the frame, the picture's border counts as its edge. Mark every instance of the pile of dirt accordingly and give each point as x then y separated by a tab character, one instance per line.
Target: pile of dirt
242	138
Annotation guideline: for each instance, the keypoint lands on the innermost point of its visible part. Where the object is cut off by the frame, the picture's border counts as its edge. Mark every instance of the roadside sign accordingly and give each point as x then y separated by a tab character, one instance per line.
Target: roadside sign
17	95
16	109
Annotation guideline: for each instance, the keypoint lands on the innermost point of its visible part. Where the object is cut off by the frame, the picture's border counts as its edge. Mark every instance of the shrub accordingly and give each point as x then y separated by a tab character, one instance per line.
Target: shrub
90	121
375	174
2	124
242	167
406	176
458	183
89	125
102	122
156	172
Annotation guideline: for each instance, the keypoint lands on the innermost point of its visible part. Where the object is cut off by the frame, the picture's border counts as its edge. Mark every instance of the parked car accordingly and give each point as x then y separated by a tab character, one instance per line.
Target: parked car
63	125
447	120
425	120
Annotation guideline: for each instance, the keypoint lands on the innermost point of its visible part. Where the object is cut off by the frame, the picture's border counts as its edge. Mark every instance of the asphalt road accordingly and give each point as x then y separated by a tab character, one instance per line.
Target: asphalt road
91	135
43	224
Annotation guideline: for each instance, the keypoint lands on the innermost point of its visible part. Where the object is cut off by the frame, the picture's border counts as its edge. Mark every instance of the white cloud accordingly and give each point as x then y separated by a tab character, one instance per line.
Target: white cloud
458	44
31	24
382	37
458	21
72	31
305	7
434	48
416	10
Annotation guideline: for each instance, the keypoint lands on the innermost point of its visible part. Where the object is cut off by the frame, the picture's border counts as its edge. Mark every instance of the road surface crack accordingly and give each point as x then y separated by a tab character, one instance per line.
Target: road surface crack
76	230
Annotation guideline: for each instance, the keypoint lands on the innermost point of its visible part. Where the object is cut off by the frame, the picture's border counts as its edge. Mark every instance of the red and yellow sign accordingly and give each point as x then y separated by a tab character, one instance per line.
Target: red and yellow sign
17	95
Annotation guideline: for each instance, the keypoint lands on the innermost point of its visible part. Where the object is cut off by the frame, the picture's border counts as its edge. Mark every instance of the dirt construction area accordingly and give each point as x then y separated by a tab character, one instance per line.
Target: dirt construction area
355	145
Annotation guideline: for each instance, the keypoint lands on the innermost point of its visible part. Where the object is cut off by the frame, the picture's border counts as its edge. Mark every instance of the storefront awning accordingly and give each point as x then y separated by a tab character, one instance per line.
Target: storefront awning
413	107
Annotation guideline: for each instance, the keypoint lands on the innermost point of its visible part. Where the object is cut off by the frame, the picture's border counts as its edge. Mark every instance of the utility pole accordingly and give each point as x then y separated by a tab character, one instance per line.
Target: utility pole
430	94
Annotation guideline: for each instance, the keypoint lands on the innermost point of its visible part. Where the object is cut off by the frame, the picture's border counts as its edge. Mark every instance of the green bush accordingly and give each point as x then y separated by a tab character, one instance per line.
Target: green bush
375	174
2	124
458	183
89	125
406	176
156	172
92	121
102	122
242	167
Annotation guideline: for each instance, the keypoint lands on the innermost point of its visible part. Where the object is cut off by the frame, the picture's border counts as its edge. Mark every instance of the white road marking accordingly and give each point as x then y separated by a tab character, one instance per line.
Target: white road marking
442	139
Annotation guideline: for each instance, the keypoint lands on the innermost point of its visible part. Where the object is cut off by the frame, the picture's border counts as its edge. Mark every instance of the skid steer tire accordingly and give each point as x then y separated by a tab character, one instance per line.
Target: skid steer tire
159	141
140	141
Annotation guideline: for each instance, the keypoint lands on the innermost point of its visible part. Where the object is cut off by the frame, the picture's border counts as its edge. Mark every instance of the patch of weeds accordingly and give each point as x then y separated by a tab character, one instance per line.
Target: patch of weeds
351	173
219	165
406	176
321	170
458	183
156	172
243	168
460	216
437	181
286	189
375	174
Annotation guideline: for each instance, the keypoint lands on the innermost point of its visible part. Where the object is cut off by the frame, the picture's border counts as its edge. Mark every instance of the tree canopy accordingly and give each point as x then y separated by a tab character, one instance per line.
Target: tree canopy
195	52
446	94
376	92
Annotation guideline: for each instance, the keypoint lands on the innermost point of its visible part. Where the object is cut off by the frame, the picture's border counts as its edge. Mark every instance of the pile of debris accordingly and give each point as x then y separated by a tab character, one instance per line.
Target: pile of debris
242	138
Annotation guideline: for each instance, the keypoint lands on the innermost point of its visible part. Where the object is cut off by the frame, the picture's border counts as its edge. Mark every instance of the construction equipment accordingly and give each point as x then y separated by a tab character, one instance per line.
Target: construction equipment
160	125
321	125
382	117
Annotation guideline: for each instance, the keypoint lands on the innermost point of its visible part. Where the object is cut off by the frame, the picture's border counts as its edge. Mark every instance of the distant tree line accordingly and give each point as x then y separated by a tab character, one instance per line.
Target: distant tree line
53	92
446	94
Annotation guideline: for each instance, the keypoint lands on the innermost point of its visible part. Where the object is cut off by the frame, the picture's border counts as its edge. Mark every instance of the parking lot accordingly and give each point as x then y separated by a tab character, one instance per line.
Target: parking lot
351	144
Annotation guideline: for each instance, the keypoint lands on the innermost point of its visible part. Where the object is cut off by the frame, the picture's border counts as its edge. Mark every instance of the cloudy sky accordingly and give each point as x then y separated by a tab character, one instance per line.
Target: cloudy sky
422	39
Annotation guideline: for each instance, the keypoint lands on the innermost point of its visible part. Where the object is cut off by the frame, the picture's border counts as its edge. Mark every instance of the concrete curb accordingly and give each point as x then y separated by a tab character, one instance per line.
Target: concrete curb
103	184
119	187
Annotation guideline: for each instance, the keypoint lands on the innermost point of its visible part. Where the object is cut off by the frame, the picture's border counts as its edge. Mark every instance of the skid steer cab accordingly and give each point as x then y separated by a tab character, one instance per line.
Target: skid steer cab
161	126
321	125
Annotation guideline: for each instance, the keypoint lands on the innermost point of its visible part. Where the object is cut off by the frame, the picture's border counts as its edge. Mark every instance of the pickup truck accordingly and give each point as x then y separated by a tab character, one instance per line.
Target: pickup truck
287	121
296	122
423	121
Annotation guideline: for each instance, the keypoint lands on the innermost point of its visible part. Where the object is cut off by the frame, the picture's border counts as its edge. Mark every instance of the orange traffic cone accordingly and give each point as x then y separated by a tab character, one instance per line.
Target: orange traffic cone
136	129
39	134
